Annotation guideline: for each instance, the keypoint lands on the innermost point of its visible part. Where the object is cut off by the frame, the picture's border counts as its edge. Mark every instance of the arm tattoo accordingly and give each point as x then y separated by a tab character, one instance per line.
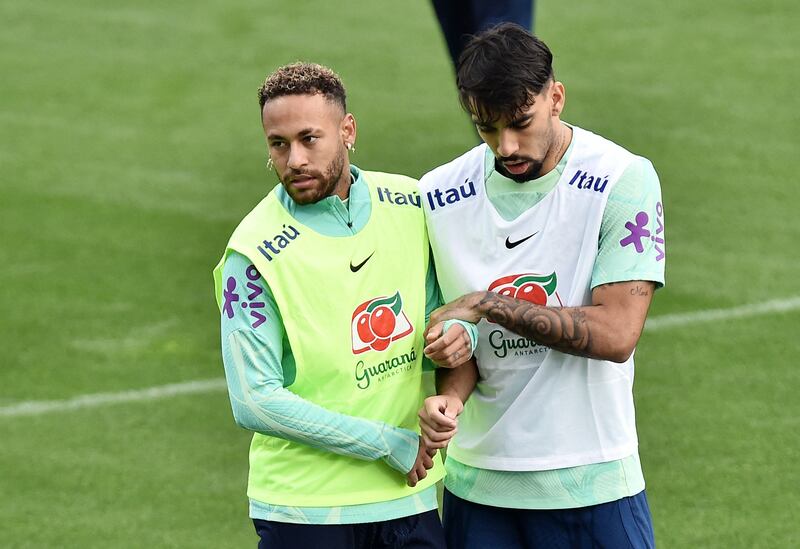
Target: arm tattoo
562	329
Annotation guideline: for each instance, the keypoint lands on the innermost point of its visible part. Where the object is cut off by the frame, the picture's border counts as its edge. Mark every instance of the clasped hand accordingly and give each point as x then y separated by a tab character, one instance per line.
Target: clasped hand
437	419
447	349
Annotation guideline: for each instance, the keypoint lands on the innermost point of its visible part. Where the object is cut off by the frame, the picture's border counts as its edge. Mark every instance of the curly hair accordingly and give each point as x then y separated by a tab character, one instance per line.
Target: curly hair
501	70
303	79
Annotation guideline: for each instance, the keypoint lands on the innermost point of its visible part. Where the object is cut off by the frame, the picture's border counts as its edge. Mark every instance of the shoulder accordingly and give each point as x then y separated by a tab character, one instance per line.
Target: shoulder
446	172
375	178
236	264
593	146
627	172
638	182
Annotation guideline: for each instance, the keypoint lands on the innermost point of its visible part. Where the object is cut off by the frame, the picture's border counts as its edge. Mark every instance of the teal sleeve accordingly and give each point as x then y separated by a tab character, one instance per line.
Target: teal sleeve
632	243
434	300
259	369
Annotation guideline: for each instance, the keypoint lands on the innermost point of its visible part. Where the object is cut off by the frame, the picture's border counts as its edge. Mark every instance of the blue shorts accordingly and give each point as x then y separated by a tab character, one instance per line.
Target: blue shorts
423	531
621	524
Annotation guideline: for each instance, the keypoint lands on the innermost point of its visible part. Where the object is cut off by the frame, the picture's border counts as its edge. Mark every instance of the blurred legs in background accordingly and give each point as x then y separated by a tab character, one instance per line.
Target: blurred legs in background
459	19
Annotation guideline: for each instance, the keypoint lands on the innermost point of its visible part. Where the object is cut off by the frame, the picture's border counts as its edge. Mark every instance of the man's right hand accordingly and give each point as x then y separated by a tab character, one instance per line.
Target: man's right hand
437	420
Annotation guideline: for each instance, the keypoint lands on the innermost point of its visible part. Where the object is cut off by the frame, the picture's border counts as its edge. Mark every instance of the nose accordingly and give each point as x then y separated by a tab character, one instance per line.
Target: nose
297	157
507	144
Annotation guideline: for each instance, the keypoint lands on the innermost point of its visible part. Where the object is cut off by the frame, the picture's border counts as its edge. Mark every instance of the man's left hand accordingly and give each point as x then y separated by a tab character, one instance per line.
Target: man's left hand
449	349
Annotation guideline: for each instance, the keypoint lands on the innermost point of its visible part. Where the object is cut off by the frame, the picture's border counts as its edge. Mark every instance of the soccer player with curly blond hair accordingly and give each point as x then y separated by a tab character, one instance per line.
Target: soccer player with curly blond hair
324	291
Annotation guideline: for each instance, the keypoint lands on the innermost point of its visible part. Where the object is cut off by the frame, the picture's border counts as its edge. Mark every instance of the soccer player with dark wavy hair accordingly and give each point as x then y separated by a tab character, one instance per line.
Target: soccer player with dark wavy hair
324	290
551	239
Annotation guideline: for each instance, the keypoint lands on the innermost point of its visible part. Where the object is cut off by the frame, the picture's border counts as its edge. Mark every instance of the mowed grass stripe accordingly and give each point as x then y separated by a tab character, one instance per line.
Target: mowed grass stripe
35	408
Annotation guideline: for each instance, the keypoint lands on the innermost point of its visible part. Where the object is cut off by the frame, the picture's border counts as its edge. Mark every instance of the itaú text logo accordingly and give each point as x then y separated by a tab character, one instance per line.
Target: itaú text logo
378	322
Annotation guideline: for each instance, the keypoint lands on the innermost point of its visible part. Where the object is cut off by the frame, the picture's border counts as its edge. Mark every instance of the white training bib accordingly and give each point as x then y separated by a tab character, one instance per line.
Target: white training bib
534	408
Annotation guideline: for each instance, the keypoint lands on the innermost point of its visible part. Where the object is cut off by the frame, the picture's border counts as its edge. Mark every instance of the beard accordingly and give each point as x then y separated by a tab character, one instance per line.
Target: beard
533	172
327	180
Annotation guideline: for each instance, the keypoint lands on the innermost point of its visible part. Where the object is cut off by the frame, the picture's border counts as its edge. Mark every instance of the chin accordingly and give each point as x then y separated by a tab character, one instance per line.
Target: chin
304	198
533	173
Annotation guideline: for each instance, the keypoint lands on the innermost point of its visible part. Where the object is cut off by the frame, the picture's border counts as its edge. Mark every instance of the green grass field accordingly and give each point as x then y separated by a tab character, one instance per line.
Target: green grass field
130	146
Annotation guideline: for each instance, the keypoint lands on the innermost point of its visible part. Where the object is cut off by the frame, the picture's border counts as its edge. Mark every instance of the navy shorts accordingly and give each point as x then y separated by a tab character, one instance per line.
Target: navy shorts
423	531
621	524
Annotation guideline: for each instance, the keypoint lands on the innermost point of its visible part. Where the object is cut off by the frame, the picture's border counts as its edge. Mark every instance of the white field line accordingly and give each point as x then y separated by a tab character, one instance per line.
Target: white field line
710	315
40	407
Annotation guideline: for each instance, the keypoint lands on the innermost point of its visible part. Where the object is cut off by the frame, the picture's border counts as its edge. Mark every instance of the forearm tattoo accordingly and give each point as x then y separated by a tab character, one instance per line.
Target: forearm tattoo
642	291
562	329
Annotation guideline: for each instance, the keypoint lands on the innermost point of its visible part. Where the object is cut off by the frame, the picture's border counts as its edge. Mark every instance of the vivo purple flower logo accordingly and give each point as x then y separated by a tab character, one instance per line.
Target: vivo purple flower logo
639	232
231	297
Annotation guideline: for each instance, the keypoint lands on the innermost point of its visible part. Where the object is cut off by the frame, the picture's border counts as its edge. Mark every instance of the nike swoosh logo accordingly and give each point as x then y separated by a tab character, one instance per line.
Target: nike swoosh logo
355	268
511	245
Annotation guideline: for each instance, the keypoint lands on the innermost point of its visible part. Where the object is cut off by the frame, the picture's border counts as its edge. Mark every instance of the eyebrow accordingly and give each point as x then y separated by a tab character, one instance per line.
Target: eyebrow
521	120
302	133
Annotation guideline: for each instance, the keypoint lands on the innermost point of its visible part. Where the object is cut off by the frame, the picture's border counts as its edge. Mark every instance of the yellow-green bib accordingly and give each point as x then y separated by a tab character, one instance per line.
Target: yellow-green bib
354	312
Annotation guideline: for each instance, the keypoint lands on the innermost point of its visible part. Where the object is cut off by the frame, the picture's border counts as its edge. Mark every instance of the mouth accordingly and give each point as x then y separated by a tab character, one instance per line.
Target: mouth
517	167
302	181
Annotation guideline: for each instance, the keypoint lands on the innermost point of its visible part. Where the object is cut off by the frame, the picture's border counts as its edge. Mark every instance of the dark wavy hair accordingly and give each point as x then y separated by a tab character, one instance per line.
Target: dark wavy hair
303	79
501	70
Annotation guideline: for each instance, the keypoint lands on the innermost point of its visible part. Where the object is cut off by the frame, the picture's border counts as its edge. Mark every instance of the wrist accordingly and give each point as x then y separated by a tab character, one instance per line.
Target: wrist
452	395
403	446
482	306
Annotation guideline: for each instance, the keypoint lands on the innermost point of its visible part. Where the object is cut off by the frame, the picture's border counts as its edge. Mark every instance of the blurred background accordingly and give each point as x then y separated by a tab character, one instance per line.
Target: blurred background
131	146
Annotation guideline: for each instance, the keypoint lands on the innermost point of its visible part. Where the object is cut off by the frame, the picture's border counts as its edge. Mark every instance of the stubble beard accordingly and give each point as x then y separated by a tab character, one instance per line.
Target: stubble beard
535	170
333	173
328	179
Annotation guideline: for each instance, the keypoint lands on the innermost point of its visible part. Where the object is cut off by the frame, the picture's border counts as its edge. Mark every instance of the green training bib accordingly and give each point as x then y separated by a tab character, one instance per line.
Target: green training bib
354	313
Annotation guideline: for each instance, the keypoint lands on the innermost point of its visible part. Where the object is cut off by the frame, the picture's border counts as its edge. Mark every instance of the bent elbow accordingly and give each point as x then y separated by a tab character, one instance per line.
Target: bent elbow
621	355
623	350
244	418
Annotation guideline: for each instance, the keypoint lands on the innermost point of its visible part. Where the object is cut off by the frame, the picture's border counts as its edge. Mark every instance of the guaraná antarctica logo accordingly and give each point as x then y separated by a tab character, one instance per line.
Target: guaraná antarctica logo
377	323
534	288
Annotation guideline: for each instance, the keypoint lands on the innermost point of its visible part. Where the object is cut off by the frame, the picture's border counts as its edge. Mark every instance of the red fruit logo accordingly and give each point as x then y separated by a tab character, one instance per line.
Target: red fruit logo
538	289
377	322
